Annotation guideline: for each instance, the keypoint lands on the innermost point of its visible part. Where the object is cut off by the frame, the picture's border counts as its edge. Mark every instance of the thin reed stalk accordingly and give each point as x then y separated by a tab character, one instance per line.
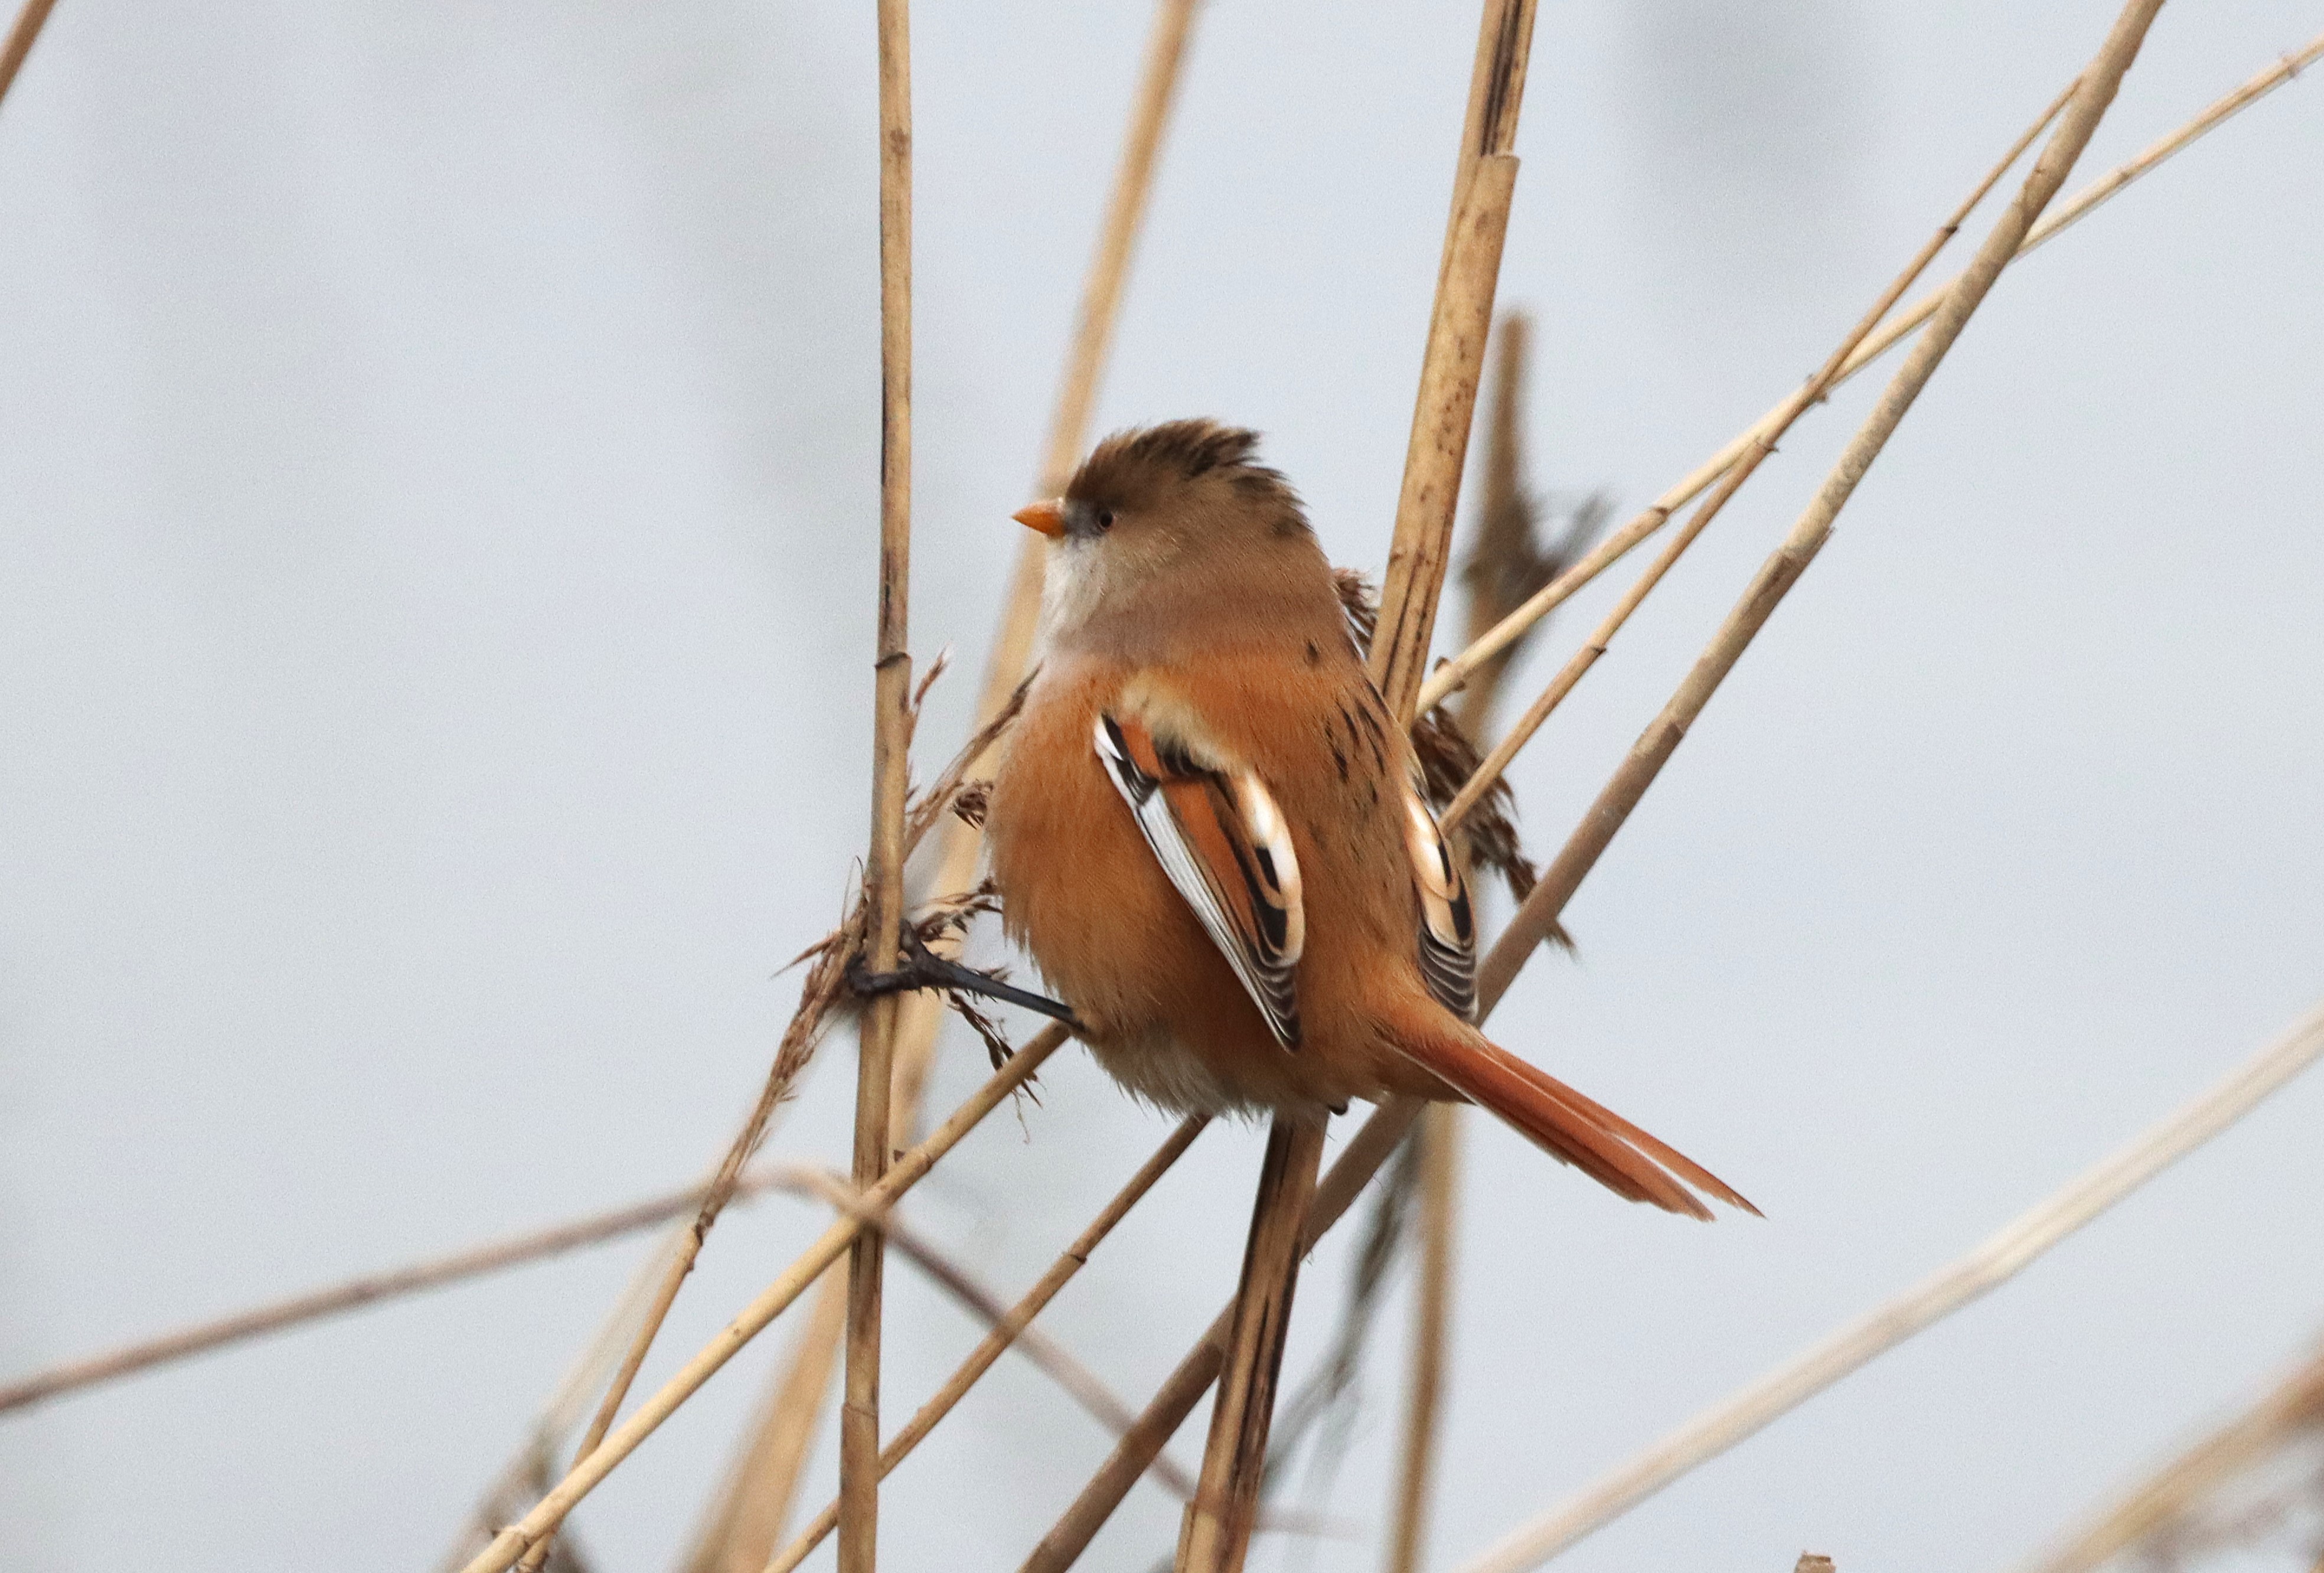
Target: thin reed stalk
1439	1136
30	19
1504	557
1216	1535
532	1469
1453	674
1108	268
1508	560
754	1503
859	1413
2154	1515
1438	449
922	1016
1536	917
819	996
1193	1376
1374	1141
1361	1159
898	828
1011	1327
372	1289
1816	389
908	1171
2000	1258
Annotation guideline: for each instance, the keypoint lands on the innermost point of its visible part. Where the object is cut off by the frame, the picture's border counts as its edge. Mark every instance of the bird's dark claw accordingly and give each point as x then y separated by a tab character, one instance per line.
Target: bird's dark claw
920	968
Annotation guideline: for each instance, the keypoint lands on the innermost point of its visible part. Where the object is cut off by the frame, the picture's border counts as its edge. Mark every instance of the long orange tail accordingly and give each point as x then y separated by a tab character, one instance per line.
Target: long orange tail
1561	1121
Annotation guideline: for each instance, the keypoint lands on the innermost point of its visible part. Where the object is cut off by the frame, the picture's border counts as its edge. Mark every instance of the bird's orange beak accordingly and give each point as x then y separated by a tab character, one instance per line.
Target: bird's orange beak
1047	517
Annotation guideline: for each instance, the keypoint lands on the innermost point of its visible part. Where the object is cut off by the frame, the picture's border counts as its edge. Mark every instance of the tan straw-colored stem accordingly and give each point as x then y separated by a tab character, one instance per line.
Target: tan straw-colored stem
859	1410
1993	1264
1457	671
1215	1536
1537	917
1762	445
1439	1134
908	1171
728	1545
1438	448
1214	1532
1007	1330
370	1289
2153	1515
30	19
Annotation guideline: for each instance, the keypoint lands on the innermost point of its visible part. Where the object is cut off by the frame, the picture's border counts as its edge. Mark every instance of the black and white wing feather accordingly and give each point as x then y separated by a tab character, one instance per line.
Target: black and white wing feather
1448	927
1219	837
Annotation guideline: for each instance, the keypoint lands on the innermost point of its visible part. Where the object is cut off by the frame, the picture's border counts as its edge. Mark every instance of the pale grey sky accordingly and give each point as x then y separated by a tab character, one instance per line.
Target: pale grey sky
440	458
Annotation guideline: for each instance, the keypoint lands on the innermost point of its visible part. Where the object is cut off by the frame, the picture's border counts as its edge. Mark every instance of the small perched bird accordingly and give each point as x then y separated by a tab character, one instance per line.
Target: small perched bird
1212	837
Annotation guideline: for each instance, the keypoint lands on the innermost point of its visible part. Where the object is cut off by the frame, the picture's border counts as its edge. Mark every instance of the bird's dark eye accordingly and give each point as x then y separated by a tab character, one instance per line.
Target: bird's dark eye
1104	519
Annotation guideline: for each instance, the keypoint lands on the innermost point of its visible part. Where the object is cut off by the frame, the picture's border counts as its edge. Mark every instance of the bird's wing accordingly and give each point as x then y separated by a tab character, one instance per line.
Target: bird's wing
1224	842
1448	928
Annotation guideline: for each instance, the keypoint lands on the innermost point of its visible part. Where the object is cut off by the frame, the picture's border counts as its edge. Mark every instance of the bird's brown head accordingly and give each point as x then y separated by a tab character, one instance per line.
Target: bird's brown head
1167	512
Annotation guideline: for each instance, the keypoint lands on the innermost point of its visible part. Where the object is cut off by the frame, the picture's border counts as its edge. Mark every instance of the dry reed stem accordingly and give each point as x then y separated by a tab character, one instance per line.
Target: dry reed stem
1497	78
907	1172
784	1430
1125	213
1504	555
21	37
1052	1358
859	1410
819	995
1011	1327
370	1289
960	845
1371	1147
749	1511
1135	1453
1536	917
1991	1265
1214	1534
1438	445
1453	674
1484	175
530	1471
1508	562
1439	1134
1762	445
2293	1407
